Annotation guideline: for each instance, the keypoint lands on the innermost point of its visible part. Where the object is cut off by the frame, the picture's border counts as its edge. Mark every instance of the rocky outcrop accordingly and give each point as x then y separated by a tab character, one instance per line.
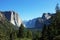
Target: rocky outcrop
39	21
12	17
2	17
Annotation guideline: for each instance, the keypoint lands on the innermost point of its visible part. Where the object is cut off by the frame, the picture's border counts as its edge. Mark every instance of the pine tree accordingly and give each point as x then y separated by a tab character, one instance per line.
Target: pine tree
57	8
21	31
29	34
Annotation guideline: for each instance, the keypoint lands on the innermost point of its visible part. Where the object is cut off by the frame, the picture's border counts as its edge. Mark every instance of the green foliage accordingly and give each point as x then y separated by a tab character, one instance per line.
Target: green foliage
21	31
29	34
56	37
36	35
24	33
52	31
6	28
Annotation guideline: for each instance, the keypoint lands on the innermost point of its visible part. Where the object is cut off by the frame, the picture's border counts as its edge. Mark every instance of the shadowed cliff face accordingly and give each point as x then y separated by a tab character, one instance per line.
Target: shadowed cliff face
12	17
39	21
6	28
2	17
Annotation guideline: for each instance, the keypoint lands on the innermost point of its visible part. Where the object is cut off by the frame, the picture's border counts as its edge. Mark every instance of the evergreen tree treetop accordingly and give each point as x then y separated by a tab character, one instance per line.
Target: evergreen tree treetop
57	7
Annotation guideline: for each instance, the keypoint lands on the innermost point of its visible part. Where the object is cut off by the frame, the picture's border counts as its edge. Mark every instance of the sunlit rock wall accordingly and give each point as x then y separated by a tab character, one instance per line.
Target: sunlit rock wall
12	17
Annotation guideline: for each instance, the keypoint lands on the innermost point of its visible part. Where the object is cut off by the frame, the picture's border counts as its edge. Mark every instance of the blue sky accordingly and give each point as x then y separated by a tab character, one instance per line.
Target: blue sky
29	9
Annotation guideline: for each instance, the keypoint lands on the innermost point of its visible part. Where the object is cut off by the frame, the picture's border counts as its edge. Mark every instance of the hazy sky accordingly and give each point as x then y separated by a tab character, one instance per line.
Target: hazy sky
29	9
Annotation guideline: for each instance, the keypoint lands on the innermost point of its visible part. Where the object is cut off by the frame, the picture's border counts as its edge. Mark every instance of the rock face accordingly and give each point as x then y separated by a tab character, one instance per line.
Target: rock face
39	21
2	17
45	19
30	23
12	17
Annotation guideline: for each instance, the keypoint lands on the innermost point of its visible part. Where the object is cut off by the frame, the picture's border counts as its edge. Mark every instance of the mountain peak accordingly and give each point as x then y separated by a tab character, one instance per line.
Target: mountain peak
12	17
39	21
46	16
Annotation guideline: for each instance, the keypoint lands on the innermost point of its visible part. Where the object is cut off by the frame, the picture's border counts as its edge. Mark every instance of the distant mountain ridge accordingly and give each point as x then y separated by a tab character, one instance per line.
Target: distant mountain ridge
39	21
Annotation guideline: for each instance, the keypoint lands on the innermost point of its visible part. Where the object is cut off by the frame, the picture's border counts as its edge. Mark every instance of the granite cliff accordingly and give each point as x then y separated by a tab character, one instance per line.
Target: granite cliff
39	21
12	17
